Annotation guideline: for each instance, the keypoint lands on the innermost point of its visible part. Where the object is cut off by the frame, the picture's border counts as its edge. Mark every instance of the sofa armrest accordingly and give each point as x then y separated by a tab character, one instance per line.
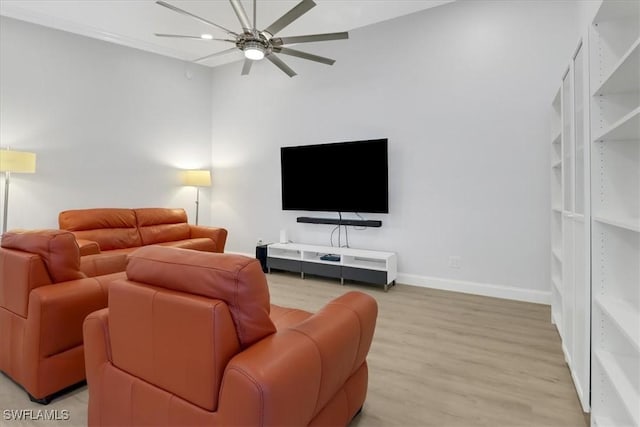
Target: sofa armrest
56	314
217	234
299	369
88	247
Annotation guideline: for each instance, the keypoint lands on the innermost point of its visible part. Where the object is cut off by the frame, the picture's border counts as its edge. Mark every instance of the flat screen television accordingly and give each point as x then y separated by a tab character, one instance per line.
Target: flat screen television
336	177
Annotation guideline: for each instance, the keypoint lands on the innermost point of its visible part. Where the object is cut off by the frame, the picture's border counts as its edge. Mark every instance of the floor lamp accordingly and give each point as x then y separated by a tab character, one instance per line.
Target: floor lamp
196	178
18	162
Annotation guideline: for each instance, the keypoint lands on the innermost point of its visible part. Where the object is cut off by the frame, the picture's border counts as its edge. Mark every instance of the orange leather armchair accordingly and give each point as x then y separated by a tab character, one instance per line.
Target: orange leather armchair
190	338
44	298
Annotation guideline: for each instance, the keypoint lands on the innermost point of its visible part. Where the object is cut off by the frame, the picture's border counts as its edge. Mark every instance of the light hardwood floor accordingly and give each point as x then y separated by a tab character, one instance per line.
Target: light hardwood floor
438	359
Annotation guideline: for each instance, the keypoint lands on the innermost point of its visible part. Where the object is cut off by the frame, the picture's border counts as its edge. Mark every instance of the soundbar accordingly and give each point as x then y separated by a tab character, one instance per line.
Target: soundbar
353	222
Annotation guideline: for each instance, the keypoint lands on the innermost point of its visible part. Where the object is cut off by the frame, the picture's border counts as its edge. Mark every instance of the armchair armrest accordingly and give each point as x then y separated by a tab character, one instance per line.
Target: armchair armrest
218	235
96	332
88	247
56	314
298	370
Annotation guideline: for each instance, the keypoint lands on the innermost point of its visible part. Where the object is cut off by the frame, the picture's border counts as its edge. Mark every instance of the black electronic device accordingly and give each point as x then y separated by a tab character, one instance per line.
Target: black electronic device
336	221
261	255
336	177
330	257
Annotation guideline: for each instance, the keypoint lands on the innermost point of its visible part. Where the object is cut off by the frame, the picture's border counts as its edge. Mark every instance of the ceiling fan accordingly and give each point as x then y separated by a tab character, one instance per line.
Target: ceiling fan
257	45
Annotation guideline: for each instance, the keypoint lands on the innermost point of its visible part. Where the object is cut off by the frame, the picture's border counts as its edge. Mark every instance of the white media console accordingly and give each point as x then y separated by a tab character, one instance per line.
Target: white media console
353	264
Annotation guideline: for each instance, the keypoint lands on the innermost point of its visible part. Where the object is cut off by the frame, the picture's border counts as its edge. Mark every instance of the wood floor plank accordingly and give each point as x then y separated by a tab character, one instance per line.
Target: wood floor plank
438	359
449	359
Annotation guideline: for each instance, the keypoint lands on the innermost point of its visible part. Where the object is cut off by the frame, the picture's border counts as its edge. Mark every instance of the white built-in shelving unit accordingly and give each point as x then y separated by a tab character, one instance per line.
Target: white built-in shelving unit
570	220
615	205
556	210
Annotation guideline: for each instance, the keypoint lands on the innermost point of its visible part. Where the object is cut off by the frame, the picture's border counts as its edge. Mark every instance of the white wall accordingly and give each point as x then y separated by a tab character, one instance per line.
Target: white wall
110	125
463	93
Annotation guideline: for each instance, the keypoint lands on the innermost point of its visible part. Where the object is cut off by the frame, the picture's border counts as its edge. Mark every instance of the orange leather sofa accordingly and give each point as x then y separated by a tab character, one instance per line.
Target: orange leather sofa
112	230
45	295
190	338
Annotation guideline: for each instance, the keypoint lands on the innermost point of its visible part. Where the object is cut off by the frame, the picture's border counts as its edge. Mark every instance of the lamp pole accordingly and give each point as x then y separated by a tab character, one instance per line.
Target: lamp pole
197	203
7	177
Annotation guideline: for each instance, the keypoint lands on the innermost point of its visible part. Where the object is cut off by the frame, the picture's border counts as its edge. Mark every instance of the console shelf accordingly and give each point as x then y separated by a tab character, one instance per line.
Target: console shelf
354	264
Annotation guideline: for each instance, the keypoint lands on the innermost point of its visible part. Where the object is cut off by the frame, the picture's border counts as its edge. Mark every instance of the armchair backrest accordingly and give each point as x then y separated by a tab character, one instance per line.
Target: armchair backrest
182	315
178	342
111	228
30	259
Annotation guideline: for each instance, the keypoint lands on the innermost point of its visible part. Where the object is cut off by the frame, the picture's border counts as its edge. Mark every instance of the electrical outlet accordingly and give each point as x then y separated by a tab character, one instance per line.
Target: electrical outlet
454	261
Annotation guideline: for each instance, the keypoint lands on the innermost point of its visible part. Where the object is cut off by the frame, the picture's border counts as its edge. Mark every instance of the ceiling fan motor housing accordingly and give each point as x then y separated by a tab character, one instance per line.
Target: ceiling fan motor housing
249	42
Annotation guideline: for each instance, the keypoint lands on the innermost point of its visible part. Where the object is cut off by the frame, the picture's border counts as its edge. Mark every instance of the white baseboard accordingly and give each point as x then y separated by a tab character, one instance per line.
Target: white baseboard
241	253
475	288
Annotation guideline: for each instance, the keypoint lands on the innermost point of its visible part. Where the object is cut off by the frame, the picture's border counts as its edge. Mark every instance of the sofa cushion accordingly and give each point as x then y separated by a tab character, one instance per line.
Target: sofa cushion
57	248
111	228
157	225
235	279
201	244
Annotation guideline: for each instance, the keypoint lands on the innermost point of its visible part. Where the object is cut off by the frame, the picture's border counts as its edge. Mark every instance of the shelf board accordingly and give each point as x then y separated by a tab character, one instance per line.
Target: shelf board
301	247
619	381
369	265
556	100
625	129
556	253
623	316
557	164
632	224
284	256
557	320
556	284
556	209
624	76
557	138
603	421
616	11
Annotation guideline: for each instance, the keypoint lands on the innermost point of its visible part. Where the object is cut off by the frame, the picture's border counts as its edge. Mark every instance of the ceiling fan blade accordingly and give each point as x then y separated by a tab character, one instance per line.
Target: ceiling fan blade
278	63
304	55
242	15
300	9
184	12
180	36
246	67
224	52
310	38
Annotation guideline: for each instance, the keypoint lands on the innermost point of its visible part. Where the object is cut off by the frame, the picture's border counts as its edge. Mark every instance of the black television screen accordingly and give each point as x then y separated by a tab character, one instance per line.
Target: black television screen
338	177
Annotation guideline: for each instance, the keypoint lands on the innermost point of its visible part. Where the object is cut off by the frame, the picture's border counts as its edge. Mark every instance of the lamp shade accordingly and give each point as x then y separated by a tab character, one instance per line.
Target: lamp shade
196	178
17	161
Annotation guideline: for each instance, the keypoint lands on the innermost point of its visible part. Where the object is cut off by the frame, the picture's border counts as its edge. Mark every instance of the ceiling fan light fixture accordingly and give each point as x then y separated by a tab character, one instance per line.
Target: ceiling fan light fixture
254	50
206	36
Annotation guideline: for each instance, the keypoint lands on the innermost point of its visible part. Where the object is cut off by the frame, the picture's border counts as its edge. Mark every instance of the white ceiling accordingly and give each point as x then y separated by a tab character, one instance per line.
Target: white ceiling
133	22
